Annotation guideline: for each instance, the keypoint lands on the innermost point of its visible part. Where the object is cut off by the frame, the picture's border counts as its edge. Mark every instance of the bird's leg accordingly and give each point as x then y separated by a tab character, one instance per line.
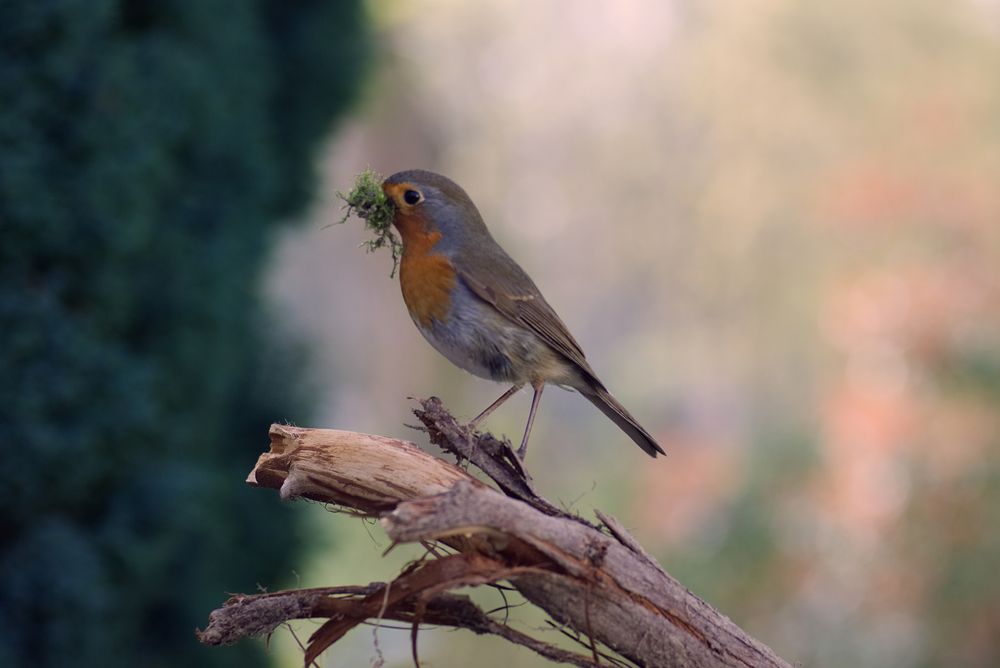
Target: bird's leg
523	450
495	405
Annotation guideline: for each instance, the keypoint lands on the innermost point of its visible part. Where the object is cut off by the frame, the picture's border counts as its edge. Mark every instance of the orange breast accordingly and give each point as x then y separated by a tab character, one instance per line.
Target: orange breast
426	278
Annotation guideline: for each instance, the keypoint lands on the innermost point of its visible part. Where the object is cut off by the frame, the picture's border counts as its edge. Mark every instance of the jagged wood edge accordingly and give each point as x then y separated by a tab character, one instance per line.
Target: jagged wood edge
562	580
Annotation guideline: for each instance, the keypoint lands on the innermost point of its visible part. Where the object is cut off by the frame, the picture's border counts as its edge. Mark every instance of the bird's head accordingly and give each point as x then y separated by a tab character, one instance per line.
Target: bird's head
426	202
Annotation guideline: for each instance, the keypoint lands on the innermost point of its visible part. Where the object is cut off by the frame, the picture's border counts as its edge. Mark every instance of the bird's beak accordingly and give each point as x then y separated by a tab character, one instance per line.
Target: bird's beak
389	189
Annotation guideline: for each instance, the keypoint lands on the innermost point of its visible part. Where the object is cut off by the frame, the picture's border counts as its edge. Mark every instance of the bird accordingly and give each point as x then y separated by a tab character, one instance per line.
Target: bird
476	306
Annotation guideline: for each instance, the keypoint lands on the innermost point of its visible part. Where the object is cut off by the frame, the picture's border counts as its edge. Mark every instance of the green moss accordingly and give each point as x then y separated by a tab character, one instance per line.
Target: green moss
367	201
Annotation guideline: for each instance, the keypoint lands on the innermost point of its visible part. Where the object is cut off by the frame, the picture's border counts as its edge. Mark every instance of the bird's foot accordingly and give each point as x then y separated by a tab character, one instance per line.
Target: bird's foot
515	457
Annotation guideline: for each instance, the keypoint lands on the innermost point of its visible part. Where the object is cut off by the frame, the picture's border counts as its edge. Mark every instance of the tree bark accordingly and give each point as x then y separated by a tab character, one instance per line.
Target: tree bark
593	580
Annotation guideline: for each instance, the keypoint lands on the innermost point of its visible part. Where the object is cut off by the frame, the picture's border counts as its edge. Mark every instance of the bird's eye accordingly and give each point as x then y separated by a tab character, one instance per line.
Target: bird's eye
411	197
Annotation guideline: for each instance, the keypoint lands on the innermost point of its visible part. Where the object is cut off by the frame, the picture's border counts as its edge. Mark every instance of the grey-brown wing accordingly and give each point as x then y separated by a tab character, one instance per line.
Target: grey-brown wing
514	295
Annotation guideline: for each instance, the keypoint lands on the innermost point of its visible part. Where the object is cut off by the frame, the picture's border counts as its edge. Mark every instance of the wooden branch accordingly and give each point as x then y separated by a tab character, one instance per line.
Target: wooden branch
245	616
364	473
594	579
492	456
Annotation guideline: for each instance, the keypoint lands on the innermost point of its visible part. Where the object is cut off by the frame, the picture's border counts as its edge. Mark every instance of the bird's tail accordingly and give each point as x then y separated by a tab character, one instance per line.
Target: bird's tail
601	398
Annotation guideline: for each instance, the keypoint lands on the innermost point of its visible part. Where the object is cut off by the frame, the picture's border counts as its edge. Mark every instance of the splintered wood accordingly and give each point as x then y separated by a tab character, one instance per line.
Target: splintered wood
594	580
364	473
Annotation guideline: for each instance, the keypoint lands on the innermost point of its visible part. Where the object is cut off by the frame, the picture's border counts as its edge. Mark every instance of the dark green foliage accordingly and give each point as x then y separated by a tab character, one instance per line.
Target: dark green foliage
147	149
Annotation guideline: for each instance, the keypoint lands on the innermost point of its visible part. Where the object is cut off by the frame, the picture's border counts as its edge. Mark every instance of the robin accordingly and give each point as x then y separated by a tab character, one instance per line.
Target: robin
479	309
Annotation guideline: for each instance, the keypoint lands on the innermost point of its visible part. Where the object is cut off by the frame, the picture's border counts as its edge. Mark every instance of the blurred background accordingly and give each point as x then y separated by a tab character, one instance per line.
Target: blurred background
774	227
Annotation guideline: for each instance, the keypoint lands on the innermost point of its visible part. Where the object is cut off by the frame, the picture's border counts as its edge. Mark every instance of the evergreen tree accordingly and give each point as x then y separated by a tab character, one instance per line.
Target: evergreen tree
147	152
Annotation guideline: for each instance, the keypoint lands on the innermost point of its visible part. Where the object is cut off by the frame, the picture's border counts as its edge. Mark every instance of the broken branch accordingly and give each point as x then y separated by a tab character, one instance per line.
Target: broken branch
593	579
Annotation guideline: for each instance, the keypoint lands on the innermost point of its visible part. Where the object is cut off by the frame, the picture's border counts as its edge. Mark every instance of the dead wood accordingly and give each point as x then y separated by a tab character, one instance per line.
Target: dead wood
244	616
594	580
363	473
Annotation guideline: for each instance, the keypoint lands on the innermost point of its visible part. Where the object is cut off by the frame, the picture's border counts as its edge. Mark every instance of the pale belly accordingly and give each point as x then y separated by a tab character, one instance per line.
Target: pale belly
475	337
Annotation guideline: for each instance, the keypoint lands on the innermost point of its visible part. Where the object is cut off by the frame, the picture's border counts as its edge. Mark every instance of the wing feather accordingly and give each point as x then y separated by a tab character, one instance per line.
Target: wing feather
508	288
